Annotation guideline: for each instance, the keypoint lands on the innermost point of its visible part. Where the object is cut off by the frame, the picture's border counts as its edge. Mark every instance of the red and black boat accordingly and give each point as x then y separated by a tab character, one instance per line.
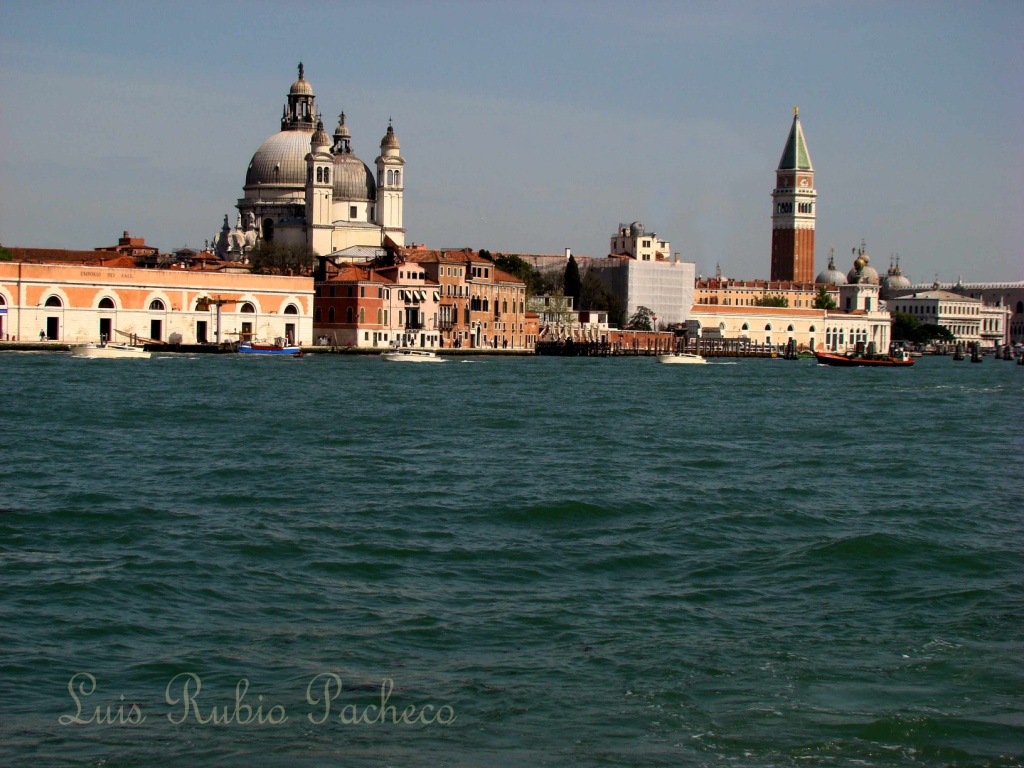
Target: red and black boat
899	359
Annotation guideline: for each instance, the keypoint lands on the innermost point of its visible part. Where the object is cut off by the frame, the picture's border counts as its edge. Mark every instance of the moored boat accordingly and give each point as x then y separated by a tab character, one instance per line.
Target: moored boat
899	359
409	355
279	347
682	358
110	350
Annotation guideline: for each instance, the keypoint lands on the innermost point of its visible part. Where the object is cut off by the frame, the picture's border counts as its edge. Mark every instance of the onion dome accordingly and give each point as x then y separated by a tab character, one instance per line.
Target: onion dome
352	179
862	271
342	138
894	281
301	87
830	274
320	139
390	141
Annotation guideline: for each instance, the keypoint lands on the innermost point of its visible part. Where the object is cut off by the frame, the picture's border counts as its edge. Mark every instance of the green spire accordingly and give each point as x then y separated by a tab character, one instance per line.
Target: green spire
795	156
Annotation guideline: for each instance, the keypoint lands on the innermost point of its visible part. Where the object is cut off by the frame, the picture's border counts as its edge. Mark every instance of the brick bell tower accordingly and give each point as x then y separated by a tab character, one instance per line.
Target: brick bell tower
794	210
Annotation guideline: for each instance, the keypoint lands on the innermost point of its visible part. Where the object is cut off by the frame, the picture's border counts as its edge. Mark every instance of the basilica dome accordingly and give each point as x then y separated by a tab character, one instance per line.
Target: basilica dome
831	275
280	160
862	271
353	179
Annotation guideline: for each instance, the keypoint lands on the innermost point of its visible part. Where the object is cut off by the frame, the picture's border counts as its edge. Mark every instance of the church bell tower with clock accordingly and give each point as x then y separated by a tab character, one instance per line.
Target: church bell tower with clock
794	210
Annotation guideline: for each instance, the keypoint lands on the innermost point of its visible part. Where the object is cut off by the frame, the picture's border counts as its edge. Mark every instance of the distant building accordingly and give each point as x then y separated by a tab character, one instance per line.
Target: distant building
89	296
641	271
860	317
968	319
424	298
131	246
1008	297
794	202
634	241
303	186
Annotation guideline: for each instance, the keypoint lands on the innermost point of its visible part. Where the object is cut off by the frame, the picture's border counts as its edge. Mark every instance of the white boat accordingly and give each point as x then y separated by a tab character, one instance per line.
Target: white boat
109	350
682	358
409	355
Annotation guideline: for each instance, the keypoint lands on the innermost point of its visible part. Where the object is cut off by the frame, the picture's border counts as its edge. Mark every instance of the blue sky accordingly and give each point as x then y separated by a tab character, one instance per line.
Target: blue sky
532	127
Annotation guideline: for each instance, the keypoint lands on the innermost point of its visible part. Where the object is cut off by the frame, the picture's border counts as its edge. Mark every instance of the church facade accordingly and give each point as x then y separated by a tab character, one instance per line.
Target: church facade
304	187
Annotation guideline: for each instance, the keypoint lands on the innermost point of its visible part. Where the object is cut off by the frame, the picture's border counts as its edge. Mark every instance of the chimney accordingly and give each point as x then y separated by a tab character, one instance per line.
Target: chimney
568	253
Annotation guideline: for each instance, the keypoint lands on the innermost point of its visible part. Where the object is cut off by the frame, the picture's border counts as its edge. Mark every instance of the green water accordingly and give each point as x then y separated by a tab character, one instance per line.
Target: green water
584	562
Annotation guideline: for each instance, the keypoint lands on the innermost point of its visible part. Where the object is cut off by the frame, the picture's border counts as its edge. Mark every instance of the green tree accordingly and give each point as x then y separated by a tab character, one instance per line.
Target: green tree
522	269
6	254
772	301
642	320
485	254
573	282
904	327
281	259
932	332
824	299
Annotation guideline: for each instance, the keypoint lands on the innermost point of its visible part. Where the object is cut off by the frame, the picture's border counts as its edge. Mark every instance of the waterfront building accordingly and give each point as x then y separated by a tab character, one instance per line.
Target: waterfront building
641	271
305	187
746	293
1005	296
794	209
91	296
422	297
860	318
965	317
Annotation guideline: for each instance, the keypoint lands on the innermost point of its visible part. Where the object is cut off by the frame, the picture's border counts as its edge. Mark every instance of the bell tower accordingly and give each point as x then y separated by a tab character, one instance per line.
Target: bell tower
319	191
390	187
794	210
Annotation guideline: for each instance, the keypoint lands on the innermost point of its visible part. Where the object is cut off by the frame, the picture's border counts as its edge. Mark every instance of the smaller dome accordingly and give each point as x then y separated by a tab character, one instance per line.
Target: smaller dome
341	132
636	229
831	275
320	137
390	141
301	87
352	179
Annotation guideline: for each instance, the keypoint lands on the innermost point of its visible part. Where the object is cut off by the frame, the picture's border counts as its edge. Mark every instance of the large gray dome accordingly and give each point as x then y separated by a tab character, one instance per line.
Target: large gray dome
353	179
280	160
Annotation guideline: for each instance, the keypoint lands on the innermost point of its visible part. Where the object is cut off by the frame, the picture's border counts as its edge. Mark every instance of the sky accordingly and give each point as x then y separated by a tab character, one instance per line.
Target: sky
532	127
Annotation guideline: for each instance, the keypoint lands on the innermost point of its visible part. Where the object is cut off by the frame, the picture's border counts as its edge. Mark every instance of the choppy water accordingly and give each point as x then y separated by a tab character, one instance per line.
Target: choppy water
589	562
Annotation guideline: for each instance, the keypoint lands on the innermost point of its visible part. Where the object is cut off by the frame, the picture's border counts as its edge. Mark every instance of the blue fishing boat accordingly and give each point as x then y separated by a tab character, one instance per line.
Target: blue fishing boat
280	346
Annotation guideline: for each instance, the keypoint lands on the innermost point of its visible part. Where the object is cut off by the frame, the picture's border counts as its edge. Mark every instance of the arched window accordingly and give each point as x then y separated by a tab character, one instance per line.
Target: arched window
768	326
330	314
790	329
319	174
247	308
317	314
348	315
811	329
327	175
105	303
1020	307
3	301
746	327
291	309
380	316
156	306
504	306
398	178
268	230
391	178
54	301
362	315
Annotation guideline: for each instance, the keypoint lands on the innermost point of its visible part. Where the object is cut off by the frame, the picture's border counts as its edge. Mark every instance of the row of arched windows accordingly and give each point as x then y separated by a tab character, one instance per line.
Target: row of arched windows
157	305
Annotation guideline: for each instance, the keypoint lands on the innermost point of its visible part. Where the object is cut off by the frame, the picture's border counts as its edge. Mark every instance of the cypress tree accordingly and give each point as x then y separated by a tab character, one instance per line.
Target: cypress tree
573	283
